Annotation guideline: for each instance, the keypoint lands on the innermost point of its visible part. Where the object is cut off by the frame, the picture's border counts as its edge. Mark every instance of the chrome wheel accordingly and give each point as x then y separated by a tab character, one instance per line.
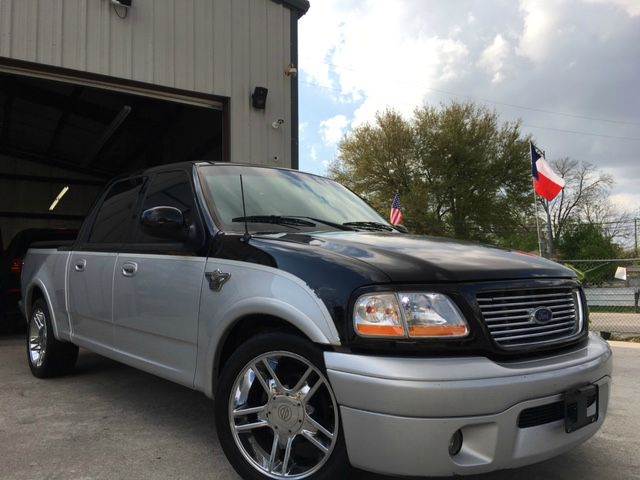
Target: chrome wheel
37	337
283	416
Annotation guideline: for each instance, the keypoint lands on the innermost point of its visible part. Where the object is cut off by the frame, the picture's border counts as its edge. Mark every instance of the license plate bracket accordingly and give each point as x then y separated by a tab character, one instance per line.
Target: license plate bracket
581	407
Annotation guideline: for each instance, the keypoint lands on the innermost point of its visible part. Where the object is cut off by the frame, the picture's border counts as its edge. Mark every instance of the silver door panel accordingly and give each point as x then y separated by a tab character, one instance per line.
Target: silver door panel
156	304
89	296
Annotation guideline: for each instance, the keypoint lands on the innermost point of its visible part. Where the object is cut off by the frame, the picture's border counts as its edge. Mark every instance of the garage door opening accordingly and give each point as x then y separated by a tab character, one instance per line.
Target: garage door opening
64	140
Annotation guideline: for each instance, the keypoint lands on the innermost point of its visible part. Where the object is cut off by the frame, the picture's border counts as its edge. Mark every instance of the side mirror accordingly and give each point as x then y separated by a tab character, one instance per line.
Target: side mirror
164	222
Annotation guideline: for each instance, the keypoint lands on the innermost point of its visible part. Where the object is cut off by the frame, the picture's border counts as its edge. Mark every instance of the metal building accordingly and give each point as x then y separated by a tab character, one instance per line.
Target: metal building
90	89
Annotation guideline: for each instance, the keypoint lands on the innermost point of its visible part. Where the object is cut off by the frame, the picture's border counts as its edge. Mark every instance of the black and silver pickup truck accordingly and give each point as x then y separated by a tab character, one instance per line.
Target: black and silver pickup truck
327	337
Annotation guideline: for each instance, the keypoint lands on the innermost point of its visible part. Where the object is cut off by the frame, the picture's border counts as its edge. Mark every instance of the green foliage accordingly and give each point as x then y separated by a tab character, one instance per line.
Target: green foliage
587	241
459	171
584	241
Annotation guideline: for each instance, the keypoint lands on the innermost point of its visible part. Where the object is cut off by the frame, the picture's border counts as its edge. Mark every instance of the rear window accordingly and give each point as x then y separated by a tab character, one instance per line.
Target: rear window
113	220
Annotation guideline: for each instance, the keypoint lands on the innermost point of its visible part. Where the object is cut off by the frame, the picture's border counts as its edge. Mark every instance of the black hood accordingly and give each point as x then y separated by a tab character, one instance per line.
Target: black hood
413	258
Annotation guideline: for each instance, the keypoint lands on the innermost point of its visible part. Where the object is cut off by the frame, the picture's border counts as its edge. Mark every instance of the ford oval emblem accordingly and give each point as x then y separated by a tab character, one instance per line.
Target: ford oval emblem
542	315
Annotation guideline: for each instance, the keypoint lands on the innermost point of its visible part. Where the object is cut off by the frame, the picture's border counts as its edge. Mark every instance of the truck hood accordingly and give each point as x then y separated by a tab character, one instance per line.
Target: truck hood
421	259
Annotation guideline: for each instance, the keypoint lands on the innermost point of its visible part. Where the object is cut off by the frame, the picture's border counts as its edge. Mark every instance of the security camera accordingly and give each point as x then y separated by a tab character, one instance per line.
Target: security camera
122	3
278	123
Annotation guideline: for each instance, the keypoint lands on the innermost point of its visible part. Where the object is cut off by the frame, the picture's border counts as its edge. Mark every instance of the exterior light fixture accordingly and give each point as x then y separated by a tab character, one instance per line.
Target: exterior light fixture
62	193
291	70
125	4
259	98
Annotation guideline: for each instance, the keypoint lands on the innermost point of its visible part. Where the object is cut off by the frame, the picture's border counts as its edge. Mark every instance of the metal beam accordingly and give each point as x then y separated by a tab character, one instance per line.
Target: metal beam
42	96
62	121
154	134
56	180
53	162
6	119
41	216
107	135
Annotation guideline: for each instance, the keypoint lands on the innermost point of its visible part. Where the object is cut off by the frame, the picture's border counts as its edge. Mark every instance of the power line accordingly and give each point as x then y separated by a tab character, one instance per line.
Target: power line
574	132
497	102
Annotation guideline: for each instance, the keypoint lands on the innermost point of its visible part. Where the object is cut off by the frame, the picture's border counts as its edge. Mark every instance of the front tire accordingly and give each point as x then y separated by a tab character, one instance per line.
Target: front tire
47	356
276	414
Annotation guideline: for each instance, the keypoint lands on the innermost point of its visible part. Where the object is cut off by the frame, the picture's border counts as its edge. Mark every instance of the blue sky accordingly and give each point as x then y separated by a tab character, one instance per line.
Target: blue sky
317	105
569	69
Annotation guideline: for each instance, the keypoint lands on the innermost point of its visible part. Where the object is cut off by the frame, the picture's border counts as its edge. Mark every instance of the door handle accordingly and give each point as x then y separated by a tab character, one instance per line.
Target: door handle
80	265
129	269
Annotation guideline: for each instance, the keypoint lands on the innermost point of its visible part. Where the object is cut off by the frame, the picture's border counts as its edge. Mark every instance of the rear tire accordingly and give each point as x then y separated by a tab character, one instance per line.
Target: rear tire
47	356
299	420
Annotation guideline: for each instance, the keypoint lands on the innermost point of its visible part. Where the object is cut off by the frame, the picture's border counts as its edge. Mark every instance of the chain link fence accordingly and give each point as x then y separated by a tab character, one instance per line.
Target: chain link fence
612	287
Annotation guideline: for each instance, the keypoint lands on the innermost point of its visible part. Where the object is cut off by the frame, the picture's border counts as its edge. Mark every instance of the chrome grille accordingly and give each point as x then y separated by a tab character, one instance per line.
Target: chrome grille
510	315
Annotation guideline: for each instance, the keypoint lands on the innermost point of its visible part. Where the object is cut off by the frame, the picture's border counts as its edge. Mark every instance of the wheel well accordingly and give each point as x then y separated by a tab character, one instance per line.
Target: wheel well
248	327
35	294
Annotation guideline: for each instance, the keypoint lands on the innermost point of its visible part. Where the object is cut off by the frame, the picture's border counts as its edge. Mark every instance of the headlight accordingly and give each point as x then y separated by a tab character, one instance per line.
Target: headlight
413	315
432	315
378	316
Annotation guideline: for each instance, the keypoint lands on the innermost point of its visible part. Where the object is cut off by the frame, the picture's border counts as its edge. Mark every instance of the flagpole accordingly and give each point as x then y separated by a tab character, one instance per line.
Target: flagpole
550	248
535	209
535	203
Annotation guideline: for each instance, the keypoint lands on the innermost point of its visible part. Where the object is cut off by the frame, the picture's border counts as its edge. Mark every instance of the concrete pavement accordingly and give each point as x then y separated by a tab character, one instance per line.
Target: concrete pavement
109	421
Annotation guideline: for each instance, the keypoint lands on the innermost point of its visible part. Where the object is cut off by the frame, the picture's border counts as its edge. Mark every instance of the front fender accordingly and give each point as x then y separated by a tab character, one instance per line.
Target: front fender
255	290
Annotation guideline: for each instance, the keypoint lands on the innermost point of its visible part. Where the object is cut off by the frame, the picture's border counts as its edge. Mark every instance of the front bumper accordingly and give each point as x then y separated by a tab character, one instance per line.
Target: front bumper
399	414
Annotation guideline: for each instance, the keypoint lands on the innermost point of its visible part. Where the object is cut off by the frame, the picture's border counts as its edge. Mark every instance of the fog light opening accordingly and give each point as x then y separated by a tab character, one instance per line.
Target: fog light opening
455	444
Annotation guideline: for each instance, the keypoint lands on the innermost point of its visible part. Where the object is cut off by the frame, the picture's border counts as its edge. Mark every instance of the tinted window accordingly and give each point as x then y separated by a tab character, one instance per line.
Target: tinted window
114	217
271	191
170	189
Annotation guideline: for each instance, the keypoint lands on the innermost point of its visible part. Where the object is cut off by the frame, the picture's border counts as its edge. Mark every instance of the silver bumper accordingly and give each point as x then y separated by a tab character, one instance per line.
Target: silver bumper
400	413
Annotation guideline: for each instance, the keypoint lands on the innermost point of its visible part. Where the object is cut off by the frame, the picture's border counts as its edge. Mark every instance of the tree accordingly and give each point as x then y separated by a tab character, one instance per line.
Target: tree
476	170
587	241
584	198
459	171
590	241
462	173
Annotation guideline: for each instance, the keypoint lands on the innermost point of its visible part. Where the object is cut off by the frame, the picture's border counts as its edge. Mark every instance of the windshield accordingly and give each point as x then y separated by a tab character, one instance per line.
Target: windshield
282	200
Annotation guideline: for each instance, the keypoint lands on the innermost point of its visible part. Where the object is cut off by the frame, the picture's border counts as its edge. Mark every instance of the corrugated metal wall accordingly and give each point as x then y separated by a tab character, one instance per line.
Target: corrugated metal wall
221	47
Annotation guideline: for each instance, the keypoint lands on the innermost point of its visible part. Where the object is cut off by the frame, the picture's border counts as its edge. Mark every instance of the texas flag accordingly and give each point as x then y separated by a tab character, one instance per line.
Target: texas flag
548	184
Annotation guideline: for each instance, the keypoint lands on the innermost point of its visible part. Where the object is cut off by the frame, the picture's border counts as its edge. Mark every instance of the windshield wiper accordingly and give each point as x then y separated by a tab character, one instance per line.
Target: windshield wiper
329	223
275	219
370	226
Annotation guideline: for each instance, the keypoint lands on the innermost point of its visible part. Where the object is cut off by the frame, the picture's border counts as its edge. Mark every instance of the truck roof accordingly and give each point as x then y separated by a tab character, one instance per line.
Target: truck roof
190	164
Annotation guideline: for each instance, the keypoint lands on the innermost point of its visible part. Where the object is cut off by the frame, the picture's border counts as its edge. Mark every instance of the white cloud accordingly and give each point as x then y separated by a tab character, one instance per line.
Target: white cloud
319	36
540	28
332	130
377	54
632	7
493	58
626	202
571	56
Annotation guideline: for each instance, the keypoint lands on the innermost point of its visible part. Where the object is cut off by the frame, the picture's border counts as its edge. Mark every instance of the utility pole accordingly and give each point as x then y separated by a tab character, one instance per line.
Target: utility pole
635	223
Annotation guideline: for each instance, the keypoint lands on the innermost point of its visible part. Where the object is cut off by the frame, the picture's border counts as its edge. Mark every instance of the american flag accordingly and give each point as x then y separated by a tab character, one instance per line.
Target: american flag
397	216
